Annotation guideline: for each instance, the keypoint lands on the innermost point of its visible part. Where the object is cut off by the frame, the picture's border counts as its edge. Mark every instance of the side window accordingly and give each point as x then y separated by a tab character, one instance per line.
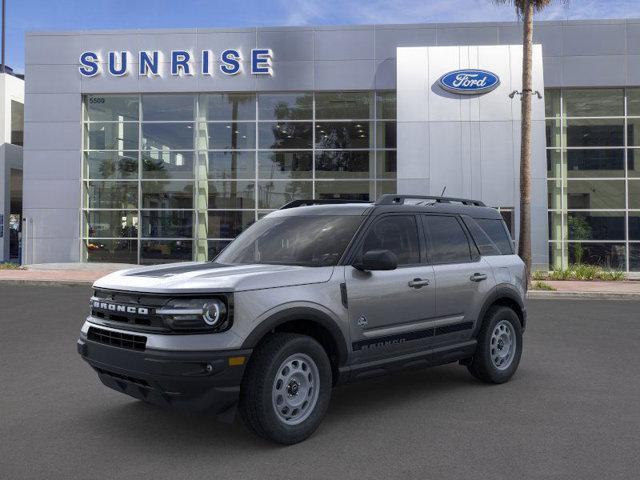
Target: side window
447	241
497	232
484	243
396	233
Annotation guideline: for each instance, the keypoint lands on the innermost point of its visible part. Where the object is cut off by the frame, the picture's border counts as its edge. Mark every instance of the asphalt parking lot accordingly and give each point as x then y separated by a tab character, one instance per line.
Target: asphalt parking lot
572	410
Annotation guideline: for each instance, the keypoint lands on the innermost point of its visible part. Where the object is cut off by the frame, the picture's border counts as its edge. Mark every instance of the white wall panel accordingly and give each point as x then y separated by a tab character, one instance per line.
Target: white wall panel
473	141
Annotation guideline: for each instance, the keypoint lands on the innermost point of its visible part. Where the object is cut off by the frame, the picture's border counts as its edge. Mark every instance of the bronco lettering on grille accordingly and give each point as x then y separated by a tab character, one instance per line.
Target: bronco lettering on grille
113	307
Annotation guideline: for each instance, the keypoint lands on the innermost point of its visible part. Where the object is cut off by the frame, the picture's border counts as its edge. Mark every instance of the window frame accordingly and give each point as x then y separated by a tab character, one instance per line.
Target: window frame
474	253
354	251
559	244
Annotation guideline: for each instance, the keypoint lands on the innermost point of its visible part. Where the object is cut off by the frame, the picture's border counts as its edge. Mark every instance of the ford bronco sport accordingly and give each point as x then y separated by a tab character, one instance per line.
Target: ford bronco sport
315	294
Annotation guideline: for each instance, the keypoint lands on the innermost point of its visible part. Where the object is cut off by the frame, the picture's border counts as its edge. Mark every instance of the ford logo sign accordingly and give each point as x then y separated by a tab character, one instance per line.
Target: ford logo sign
469	81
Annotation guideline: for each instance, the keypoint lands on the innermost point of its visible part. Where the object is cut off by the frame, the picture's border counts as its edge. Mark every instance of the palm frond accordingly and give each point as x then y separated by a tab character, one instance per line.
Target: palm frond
538	5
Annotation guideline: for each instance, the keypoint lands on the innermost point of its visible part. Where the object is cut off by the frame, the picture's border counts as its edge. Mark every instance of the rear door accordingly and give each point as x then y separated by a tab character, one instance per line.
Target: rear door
389	309
463	279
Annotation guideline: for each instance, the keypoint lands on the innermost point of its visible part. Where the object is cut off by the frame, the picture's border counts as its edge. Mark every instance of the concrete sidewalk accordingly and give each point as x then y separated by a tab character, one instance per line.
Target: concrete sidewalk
60	273
626	290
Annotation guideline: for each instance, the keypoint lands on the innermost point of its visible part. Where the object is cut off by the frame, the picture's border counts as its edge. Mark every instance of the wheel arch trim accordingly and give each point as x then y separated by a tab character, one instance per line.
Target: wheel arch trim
500	292
300	313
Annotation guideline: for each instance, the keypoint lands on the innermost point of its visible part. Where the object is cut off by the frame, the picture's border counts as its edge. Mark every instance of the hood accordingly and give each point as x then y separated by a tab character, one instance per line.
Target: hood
211	277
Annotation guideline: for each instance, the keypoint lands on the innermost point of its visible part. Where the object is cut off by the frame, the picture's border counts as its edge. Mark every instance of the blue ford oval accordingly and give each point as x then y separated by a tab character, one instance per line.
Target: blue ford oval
469	81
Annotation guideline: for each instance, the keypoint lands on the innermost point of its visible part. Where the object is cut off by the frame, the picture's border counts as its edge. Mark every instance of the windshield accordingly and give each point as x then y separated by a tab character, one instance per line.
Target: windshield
311	241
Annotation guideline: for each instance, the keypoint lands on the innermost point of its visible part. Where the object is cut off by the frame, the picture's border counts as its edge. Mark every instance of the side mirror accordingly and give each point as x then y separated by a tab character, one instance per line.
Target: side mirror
378	260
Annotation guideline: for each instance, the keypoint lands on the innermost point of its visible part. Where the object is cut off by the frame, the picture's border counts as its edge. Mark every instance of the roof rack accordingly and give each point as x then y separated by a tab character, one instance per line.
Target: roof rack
313	201
393	199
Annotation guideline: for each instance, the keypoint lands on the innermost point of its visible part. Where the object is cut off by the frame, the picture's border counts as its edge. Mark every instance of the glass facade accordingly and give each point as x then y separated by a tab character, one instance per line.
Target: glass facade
593	144
171	177
17	123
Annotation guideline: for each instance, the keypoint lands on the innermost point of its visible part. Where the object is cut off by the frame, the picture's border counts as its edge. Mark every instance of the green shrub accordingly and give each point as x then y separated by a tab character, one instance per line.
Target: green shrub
9	266
611	276
585	273
543	286
539	275
563	274
579	229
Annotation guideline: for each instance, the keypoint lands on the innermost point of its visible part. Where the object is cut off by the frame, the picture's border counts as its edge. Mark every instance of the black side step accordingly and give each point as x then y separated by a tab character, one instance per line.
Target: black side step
427	358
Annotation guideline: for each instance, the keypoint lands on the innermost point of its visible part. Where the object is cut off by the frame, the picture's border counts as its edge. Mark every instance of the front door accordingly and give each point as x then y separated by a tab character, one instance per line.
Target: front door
388	308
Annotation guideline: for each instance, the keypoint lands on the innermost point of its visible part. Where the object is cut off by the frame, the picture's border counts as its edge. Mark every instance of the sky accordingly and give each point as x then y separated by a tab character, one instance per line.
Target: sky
33	15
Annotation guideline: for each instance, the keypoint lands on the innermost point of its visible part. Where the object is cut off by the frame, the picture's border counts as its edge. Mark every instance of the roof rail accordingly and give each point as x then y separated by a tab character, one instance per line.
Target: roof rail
313	201
393	199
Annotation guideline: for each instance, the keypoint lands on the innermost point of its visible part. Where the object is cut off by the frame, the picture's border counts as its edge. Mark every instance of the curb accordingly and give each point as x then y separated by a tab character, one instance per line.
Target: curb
45	283
548	295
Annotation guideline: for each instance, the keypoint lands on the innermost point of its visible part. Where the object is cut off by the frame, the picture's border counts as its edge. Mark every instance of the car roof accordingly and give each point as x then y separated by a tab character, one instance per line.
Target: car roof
325	209
390	204
444	208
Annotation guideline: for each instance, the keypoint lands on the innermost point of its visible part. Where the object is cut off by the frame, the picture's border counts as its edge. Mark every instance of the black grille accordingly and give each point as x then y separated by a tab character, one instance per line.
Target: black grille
147	321
115	307
117	339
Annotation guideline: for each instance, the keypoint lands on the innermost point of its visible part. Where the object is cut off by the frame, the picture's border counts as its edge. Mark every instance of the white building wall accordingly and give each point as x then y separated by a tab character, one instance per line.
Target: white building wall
470	144
11	88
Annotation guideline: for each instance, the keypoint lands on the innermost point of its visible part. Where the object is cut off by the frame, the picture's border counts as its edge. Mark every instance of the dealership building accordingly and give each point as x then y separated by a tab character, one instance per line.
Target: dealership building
148	146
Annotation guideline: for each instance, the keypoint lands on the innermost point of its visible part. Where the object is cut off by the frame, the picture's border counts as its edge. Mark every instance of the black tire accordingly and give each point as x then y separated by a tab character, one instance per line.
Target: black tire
256	405
481	365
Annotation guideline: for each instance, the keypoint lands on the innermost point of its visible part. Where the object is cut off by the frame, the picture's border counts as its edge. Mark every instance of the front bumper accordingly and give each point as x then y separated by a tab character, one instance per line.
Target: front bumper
195	381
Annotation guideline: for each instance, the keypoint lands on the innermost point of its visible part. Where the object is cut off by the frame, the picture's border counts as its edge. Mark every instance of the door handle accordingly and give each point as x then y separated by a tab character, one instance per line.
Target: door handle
418	283
478	277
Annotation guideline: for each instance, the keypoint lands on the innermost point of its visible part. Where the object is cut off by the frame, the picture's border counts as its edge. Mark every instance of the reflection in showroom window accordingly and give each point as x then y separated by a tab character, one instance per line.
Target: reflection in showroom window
337	135
208	165
285	135
343	164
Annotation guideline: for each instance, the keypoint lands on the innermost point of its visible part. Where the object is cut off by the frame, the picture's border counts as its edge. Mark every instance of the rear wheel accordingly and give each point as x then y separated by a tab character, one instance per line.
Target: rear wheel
286	390
499	346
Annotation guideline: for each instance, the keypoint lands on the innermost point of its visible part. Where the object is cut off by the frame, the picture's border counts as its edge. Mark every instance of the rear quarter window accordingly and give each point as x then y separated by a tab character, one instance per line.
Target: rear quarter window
485	244
496	230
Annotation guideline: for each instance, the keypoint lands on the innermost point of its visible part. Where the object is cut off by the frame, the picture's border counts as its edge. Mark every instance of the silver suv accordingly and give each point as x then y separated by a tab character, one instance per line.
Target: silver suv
318	293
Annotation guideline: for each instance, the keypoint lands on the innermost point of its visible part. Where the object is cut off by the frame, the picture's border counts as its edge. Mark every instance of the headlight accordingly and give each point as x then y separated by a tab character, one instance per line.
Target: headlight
196	314
214	312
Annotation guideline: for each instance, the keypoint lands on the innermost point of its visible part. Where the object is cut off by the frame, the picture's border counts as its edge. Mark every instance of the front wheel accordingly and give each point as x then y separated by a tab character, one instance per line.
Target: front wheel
499	346
286	390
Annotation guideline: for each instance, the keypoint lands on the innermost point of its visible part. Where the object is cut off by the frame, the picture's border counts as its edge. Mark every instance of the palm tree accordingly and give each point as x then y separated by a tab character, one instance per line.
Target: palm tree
525	10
